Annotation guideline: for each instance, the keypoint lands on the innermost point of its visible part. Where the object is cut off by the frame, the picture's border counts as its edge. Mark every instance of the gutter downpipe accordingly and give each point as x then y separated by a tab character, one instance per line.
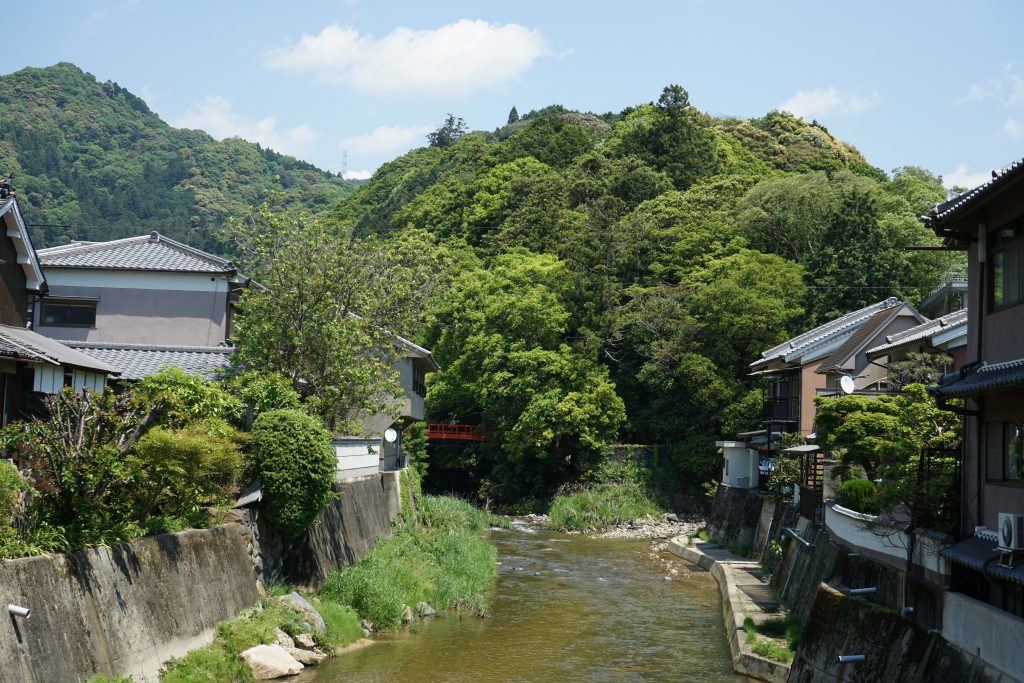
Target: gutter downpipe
983	276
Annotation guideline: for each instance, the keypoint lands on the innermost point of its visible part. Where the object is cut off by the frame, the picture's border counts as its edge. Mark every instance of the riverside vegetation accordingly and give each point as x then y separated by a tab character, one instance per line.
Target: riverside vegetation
436	561
582	278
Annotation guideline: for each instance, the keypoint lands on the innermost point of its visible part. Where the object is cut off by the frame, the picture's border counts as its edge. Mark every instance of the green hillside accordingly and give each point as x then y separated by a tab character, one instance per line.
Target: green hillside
612	276
92	162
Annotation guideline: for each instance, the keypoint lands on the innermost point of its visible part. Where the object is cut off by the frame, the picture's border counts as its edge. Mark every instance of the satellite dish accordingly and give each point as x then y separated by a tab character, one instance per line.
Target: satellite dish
391	435
846	384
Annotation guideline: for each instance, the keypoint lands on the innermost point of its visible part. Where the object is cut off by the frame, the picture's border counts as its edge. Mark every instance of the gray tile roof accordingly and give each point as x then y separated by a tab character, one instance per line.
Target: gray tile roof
863	335
135	361
975	380
923	331
943	212
826	332
146	252
24	344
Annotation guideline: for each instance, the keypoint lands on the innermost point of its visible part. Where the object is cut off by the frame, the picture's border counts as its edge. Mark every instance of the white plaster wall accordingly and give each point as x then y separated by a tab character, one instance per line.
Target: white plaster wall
886	543
740	468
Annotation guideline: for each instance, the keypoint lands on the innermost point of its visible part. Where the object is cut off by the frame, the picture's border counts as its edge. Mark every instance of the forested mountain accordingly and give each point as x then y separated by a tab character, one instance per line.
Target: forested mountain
612	276
92	162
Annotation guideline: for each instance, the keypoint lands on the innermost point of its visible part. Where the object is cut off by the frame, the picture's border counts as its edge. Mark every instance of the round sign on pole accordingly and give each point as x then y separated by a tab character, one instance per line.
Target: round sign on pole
391	435
846	384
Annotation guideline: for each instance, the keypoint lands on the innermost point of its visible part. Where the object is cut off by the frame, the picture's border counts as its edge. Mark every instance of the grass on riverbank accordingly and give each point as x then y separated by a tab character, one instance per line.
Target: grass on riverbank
615	493
443	560
218	662
776	629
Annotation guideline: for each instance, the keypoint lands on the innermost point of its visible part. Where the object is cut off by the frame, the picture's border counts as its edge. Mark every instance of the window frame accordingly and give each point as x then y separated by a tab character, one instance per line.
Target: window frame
68	303
998	455
1006	244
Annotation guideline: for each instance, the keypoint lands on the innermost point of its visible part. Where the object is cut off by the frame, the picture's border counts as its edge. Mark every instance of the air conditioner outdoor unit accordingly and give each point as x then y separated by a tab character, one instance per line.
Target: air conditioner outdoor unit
1011	531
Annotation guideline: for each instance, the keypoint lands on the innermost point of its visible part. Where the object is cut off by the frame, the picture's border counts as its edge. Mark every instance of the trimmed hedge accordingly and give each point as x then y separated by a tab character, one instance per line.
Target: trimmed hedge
293	457
859	495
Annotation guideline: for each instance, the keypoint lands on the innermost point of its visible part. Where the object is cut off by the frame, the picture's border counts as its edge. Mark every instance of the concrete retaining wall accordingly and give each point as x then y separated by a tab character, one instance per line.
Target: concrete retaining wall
347	529
123	610
984	631
722	565
894	648
734	515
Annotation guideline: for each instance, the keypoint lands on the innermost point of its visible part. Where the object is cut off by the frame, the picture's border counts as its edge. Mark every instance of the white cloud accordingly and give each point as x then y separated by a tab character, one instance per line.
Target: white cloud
216	116
831	100
386	139
358	175
1012	129
460	57
961	178
1007	88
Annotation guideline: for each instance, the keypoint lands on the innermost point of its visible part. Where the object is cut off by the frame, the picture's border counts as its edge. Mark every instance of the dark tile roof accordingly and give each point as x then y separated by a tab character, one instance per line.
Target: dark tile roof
923	331
941	213
862	336
135	361
975	380
980	554
24	344
146	252
826	332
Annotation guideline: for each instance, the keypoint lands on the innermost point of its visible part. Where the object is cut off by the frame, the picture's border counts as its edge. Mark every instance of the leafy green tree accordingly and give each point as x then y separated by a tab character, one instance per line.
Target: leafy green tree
326	309
451	130
546	411
513	116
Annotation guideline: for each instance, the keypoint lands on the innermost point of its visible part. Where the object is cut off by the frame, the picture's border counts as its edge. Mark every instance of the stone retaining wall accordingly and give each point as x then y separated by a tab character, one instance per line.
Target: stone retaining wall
122	610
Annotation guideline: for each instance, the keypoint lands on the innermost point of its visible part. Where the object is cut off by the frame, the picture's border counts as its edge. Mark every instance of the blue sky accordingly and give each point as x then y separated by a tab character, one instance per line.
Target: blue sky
934	84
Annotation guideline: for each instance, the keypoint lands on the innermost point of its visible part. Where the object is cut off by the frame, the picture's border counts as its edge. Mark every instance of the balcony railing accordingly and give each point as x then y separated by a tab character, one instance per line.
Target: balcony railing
782	409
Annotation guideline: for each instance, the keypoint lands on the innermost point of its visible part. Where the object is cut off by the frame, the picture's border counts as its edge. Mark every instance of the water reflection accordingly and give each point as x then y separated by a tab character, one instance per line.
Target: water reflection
565	608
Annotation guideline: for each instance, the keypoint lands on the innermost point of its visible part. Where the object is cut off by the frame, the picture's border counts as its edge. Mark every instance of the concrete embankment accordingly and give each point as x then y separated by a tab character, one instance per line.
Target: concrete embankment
128	609
124	609
745	593
347	529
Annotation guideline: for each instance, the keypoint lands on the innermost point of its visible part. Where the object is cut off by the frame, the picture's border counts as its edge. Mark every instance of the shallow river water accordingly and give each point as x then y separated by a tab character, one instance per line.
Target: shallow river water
564	608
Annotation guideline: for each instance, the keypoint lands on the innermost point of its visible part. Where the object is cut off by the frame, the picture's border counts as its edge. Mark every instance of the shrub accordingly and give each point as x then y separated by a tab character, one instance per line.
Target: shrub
187	398
258	392
11	487
860	495
292	455
180	471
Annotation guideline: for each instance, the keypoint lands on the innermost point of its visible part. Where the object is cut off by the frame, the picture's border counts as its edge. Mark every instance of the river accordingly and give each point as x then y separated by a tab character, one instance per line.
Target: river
564	608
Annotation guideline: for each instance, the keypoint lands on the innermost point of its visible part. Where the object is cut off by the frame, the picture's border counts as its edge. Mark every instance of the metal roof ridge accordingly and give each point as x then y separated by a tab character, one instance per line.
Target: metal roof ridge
144	347
831	327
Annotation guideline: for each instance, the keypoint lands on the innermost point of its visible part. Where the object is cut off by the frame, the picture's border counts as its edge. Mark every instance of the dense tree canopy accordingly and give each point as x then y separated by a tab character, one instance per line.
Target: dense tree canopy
92	162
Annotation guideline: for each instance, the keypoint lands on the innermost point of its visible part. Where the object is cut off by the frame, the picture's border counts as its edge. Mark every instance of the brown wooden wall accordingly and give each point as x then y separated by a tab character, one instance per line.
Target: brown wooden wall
13	297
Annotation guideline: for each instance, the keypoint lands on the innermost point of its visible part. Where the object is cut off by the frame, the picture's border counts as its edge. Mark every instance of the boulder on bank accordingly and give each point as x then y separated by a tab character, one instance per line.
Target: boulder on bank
312	615
268	662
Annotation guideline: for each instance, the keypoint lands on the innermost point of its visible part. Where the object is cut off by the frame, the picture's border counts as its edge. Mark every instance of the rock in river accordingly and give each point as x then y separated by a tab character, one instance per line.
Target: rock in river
270	661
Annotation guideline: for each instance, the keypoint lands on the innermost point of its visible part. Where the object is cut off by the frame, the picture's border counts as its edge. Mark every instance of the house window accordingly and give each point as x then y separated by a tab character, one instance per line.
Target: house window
1007	266
69	313
419	384
1005	451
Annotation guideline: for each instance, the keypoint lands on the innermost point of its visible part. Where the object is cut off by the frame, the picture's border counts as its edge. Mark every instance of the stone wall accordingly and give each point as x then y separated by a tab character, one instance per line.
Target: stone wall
734	515
122	610
347	529
894	648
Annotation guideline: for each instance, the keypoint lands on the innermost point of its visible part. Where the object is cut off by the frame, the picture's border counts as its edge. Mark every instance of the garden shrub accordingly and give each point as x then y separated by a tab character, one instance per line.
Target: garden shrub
11	487
187	398
258	392
293	457
180	471
860	495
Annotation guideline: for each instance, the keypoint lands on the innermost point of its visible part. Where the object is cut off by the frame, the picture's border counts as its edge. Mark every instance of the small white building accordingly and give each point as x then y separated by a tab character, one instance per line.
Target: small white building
740	469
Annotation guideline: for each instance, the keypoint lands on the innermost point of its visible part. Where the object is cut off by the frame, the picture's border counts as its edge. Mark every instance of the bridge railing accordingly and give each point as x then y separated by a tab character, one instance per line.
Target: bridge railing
454	432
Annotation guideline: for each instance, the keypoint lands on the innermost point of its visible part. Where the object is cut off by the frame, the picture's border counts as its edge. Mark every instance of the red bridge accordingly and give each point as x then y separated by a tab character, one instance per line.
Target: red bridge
454	432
